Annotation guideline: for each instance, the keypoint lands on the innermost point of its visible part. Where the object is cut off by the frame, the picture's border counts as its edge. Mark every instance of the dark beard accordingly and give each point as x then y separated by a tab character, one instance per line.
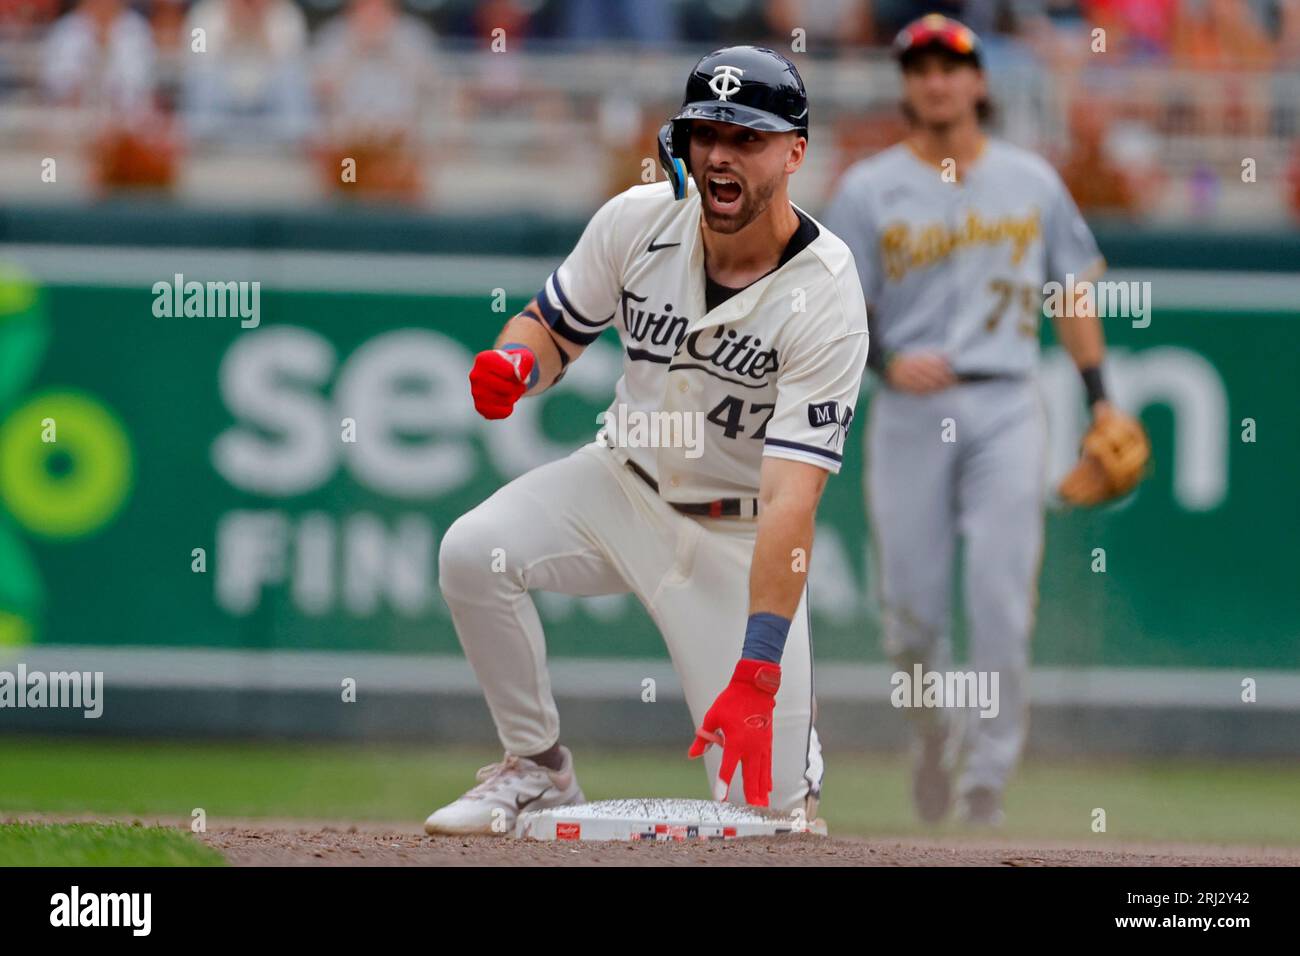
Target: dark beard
754	205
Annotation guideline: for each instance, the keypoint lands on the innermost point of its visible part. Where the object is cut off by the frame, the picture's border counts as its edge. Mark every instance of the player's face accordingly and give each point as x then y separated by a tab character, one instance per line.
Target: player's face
942	90
738	170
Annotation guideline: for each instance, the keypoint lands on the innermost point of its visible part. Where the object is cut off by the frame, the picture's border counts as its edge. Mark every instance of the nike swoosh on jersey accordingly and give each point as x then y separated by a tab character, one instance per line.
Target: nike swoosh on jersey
666	245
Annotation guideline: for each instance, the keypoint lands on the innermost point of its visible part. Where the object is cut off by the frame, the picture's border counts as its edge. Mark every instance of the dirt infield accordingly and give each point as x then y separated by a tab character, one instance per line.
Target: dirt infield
335	843
376	845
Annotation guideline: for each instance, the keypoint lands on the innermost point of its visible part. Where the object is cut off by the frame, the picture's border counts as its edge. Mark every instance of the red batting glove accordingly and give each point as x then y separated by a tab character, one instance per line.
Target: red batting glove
498	379
743	716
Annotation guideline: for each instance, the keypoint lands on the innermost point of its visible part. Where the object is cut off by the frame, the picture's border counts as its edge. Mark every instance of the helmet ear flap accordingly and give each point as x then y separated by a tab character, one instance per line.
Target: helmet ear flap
669	158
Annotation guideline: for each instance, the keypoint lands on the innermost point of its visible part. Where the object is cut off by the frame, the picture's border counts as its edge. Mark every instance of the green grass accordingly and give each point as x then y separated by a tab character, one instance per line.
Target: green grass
96	844
1175	800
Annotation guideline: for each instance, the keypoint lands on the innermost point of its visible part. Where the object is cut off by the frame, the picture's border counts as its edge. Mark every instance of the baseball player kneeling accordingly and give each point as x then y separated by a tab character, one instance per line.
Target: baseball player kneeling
732	306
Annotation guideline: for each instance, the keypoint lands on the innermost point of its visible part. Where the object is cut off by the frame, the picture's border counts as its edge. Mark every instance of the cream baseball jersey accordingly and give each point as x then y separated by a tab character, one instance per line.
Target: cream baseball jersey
774	370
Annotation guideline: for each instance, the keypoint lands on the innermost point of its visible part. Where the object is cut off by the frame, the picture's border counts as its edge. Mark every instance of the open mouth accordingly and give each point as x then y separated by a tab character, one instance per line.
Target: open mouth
724	193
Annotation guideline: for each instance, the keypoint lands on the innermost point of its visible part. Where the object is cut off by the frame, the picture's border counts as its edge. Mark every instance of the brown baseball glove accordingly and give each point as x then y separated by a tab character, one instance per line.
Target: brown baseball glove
1115	455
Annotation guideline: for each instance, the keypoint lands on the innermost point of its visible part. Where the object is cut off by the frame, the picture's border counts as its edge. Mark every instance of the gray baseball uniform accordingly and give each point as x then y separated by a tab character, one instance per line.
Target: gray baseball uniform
959	269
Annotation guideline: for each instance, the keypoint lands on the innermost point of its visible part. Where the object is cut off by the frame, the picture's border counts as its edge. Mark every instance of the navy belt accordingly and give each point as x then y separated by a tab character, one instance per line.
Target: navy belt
722	508
971	378
965	377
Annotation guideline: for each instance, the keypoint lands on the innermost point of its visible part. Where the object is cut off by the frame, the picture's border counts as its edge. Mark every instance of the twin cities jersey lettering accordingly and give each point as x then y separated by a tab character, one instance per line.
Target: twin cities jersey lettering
959	268
774	370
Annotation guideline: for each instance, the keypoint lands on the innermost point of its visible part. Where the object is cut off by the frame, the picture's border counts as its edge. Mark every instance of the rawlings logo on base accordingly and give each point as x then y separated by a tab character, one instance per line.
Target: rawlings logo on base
568	831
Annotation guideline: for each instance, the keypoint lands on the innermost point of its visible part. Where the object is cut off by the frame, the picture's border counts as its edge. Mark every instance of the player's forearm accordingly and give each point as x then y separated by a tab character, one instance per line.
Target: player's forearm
1082	337
787	508
551	353
781	553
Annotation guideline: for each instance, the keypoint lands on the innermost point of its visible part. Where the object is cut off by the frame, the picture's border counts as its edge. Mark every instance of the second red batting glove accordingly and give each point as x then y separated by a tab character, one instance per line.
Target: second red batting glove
500	377
742	715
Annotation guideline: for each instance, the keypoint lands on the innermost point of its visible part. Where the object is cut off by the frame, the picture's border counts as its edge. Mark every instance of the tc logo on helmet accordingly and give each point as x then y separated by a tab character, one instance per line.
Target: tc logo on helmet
726	81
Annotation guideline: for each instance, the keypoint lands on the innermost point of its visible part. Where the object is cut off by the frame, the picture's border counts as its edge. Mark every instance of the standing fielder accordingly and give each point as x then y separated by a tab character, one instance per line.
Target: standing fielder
954	268
732	305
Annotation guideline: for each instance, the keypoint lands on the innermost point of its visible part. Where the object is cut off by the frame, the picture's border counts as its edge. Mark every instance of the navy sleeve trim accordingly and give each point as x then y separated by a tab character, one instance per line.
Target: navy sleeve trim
807	449
568	306
559	324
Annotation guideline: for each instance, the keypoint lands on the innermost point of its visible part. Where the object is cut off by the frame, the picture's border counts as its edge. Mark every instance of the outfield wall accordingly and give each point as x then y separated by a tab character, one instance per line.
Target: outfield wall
177	434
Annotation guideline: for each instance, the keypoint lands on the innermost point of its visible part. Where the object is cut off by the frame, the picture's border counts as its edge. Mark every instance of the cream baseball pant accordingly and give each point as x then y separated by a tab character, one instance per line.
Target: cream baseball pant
586	525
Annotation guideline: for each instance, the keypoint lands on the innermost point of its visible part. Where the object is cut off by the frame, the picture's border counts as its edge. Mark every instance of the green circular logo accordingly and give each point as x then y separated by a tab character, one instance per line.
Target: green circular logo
70	485
15	631
18	291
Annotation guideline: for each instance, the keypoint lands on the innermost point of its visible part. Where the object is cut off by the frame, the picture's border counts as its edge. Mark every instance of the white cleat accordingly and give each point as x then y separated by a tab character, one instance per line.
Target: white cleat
505	790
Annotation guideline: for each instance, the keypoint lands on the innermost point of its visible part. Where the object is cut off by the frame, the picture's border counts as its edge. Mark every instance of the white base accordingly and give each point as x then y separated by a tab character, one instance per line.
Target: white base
660	820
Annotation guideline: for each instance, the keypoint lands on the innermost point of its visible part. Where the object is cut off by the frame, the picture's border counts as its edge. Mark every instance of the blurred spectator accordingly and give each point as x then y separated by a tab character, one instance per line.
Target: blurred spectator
1098	183
643	22
374	65
101	56
1210	34
1288	32
100	59
629	137
1057	32
828	24
1203	34
374	70
22	18
249	83
167	19
511	17
1135	29
502	84
500	26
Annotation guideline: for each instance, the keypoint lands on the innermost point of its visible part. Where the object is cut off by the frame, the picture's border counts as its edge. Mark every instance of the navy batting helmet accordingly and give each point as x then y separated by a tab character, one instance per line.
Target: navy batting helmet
746	85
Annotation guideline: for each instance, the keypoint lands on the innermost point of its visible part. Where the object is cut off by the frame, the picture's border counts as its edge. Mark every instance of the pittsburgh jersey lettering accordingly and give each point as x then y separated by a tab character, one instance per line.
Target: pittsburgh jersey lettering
959	268
904	248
